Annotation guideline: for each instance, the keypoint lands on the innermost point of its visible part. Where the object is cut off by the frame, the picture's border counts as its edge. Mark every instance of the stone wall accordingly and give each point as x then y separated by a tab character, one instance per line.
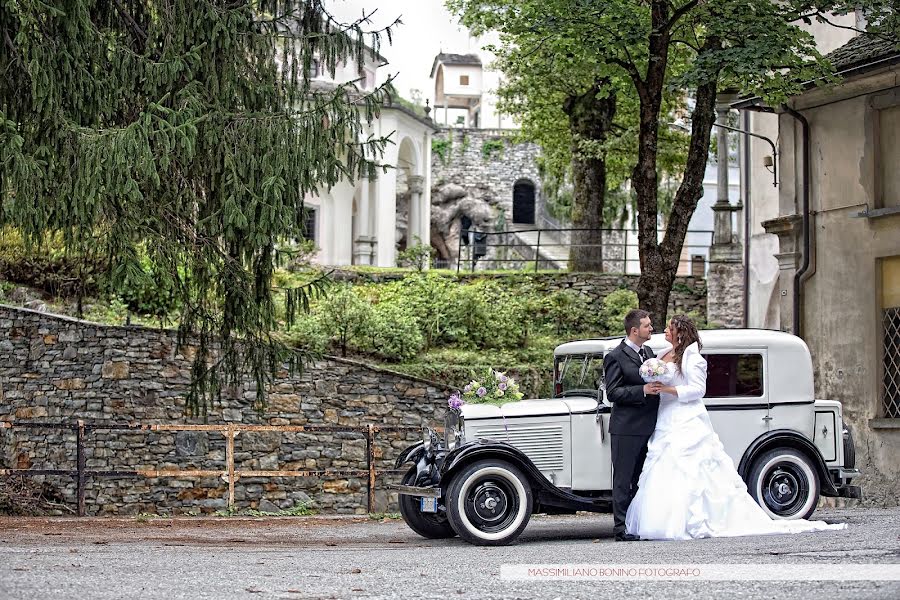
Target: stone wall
471	179
725	294
57	369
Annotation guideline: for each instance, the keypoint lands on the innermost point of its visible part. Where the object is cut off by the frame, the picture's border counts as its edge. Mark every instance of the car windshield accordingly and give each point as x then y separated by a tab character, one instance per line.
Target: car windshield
577	375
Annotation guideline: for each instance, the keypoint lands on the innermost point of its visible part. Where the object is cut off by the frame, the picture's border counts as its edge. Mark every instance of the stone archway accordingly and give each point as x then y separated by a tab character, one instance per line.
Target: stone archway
523	206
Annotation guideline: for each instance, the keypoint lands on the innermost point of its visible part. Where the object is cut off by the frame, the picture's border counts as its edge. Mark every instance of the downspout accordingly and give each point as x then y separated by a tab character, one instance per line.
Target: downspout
801	276
745	175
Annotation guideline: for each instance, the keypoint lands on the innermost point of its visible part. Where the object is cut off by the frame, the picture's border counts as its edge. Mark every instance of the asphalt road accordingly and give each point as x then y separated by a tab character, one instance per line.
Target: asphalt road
363	558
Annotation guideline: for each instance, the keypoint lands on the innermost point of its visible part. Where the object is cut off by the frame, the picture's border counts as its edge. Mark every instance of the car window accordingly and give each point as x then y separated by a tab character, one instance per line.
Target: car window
577	375
734	375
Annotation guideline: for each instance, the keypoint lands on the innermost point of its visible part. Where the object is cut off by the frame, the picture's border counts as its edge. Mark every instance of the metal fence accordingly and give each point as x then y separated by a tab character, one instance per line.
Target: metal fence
494	249
80	473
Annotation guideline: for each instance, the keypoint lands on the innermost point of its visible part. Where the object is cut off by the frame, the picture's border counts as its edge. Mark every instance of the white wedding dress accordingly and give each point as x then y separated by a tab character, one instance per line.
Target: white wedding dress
689	487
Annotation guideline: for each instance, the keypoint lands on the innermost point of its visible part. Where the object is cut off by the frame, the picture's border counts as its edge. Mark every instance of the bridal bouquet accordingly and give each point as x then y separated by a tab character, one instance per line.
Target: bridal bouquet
655	370
495	387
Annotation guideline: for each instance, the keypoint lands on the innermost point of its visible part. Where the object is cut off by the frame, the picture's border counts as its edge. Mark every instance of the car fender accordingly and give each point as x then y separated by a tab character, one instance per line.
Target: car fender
411	454
546	492
789	439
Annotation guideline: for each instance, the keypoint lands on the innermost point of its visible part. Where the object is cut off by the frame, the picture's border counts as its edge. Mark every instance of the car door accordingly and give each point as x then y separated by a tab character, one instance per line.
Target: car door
591	456
737	397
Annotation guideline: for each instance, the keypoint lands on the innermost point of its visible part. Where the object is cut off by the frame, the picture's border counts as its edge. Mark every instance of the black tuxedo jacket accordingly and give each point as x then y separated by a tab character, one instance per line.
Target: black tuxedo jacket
633	413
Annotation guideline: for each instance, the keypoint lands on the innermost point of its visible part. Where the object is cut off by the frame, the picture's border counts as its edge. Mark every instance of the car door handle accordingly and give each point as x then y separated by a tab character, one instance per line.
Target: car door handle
600	422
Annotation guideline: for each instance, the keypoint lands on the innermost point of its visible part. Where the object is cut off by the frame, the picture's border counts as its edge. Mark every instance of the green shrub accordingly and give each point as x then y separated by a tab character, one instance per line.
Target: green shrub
150	290
309	333
345	316
417	256
615	306
47	266
570	312
426	296
392	333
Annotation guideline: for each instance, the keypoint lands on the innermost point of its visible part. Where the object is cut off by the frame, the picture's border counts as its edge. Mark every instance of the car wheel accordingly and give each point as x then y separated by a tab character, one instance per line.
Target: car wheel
489	502
785	484
429	525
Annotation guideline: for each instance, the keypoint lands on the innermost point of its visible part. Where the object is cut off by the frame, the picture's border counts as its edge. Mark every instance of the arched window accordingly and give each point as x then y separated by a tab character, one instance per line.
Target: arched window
523	202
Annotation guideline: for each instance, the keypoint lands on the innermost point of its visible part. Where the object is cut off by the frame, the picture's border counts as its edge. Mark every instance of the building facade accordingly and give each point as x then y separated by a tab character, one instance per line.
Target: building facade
831	260
365	221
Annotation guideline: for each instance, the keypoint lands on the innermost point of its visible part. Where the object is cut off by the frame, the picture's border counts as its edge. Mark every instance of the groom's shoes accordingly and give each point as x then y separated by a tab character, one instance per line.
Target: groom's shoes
627	537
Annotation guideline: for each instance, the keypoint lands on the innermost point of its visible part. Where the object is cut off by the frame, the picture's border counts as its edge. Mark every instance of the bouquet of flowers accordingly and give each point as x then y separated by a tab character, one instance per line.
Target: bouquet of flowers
496	387
655	370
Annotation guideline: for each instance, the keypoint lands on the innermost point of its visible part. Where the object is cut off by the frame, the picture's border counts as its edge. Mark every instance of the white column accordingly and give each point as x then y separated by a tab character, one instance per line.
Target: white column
426	192
341	232
386	219
414	227
362	245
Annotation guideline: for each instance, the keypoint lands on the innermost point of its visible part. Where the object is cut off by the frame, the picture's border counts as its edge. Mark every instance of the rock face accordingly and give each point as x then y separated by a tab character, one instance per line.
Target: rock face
473	174
58	370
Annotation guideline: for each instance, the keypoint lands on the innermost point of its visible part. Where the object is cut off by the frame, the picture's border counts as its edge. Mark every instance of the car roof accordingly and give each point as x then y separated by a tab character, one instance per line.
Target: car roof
712	339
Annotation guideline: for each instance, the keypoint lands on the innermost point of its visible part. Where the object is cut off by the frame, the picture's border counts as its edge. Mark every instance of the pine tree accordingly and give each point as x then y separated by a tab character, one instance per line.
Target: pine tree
188	131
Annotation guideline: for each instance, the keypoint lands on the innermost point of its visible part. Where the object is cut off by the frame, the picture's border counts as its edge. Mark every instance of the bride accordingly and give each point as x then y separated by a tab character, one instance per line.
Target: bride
689	487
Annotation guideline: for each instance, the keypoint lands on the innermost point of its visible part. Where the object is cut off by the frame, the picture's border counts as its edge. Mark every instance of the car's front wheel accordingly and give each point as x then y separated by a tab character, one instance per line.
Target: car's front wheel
489	502
430	525
785	484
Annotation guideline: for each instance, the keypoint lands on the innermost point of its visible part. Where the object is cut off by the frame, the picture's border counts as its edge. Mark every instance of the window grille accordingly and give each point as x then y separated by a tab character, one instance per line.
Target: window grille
891	389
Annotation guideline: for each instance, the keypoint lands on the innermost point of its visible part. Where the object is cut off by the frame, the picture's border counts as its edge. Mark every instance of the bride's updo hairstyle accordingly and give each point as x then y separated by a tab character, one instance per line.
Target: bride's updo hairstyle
684	334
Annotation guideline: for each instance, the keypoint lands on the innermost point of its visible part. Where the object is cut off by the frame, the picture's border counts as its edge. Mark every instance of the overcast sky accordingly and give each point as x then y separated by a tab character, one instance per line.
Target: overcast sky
428	28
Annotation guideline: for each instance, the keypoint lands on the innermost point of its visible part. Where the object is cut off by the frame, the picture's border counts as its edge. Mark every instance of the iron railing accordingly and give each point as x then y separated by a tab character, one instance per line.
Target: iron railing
484	247
80	473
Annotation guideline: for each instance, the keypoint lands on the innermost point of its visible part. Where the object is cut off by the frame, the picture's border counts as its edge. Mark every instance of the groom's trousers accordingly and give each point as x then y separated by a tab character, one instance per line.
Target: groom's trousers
628	454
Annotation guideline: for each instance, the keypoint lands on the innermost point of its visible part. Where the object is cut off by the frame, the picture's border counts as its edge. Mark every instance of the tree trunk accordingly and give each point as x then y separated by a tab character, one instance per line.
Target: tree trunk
659	261
653	286
590	118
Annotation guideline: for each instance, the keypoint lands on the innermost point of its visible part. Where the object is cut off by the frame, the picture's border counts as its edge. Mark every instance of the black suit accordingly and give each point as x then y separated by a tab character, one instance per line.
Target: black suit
630	426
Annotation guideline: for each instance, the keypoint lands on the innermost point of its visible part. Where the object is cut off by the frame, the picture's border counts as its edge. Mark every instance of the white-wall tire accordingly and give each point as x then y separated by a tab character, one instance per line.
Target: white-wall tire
489	502
785	483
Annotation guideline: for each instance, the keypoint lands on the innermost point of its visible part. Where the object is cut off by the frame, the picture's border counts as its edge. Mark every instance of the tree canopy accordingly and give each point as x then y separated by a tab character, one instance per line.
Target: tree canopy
189	132
652	54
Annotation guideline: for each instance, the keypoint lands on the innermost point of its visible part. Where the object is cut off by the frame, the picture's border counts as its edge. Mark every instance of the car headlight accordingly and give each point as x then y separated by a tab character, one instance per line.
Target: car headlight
453	430
428	439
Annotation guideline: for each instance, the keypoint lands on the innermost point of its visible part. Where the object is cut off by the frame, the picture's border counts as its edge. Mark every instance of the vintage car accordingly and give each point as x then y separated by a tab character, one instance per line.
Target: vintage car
495	466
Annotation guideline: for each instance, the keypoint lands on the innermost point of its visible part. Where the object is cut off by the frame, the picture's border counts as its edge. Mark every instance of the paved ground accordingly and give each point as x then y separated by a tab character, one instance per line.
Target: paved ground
362	558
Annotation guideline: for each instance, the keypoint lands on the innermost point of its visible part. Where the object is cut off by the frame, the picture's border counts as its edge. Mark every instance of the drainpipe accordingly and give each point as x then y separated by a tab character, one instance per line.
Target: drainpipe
802	273
745	175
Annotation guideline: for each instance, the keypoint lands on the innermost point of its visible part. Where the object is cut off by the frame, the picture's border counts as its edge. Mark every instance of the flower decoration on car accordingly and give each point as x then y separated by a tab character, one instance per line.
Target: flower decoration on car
495	387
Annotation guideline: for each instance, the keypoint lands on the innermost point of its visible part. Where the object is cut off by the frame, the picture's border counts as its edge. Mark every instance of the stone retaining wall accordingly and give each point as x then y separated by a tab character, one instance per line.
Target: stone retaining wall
58	369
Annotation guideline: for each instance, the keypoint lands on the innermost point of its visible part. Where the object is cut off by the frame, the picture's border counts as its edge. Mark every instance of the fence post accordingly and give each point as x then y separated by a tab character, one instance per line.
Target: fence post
229	463
537	251
370	459
80	462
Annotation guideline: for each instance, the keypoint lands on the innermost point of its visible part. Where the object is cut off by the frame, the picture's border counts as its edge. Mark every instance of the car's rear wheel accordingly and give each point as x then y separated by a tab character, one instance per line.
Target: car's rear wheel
430	525
489	502
785	484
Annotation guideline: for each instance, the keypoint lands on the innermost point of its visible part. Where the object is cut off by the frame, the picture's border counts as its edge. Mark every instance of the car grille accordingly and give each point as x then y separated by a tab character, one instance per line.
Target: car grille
543	444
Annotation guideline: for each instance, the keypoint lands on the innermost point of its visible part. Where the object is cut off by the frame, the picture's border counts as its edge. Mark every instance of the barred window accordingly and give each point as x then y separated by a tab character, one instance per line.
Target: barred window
890	320
891	390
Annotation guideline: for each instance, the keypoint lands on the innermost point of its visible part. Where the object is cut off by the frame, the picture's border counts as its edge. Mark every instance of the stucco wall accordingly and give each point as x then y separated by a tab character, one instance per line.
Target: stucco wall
841	301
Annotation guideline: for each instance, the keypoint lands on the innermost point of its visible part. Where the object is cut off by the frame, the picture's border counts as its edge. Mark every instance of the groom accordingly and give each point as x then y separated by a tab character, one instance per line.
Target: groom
633	419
